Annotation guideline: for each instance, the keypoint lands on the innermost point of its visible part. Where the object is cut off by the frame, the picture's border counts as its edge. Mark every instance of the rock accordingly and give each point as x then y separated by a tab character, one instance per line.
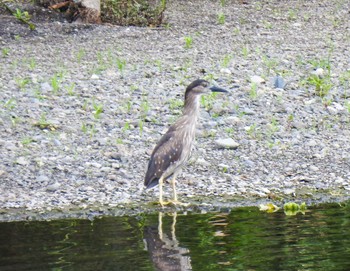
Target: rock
255	79
42	179
226	71
289	191
279	82
46	87
22	161
53	187
202	162
227	143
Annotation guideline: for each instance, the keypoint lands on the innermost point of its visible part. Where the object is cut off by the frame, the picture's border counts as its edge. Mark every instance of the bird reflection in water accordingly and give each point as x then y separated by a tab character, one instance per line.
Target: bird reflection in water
164	249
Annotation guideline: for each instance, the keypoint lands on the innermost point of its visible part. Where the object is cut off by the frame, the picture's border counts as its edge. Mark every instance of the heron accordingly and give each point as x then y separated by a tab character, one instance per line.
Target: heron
175	146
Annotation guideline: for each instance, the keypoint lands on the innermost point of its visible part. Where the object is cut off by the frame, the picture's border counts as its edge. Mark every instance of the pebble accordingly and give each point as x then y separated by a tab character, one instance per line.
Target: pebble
53	187
257	79
202	162
228	143
22	161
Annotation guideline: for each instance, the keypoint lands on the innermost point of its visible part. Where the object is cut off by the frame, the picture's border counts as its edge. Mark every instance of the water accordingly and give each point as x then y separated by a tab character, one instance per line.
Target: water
242	239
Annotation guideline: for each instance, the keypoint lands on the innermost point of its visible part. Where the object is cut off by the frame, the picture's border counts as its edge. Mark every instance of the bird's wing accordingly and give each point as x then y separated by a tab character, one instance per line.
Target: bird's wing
167	152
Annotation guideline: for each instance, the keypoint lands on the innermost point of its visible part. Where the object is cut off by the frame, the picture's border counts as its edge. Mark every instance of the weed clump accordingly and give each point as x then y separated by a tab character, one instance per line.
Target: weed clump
133	12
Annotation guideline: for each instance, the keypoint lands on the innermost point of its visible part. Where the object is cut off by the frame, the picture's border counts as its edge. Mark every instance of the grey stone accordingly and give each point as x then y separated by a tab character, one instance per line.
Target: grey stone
228	143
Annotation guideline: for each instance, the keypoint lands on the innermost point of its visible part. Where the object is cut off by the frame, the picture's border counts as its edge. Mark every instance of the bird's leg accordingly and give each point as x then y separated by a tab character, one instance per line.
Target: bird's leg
173	183
175	200
161	202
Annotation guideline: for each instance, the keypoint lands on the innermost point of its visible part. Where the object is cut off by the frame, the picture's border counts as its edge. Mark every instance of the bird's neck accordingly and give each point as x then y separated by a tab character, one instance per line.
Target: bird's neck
192	105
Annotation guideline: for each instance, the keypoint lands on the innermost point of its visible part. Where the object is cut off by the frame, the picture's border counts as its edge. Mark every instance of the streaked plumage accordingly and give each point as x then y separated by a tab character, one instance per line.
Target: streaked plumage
175	146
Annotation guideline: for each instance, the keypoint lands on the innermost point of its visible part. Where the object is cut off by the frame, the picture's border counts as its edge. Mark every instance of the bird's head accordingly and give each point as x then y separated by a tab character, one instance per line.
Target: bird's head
201	86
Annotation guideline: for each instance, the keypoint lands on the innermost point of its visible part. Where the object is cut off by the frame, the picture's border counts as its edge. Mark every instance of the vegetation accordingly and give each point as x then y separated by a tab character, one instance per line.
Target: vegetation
133	12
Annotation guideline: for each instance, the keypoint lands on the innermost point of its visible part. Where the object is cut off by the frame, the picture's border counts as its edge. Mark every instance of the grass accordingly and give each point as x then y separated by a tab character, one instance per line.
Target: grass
98	109
121	65
270	64
22	82
321	81
207	101
88	129
253	131
32	64
230	131
226	61
133	12
55	83
245	52
253	92
144	108
10	104
5	52
221	18
43	123
22	16
188	42
175	104
80	54
27	140
70	89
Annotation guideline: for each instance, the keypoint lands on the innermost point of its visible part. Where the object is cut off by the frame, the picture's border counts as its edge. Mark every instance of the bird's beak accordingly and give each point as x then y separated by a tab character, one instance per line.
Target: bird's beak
217	89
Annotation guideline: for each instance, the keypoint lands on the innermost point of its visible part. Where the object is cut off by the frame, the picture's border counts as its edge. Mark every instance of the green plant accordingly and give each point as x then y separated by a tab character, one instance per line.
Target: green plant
272	127
88	129
229	131
140	124
245	52
27	140
80	54
119	141
70	89
207	101
347	106
5	51
126	126
98	109
175	104
253	131
221	18
55	84
32	64
188	42
267	24
321	78
253	92
135	12
120	64
292	14
22	82
226	60
43	123
144	108
24	17
322	84
270	64
10	104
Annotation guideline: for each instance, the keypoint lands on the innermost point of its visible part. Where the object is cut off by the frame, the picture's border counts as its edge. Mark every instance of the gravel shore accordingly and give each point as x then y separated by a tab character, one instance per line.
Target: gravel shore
82	107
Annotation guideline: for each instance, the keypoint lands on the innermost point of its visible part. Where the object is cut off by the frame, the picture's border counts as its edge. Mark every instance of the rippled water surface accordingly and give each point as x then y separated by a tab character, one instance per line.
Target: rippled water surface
242	239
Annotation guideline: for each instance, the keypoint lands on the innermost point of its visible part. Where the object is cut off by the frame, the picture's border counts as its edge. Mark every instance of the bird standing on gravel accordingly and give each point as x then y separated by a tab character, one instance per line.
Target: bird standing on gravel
174	148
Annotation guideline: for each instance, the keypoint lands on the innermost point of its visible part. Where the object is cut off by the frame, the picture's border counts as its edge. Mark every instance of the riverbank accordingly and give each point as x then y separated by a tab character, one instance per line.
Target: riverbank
82	107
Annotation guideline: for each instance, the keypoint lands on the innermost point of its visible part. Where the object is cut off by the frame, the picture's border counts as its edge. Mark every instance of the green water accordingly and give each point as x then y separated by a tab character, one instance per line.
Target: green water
242	239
